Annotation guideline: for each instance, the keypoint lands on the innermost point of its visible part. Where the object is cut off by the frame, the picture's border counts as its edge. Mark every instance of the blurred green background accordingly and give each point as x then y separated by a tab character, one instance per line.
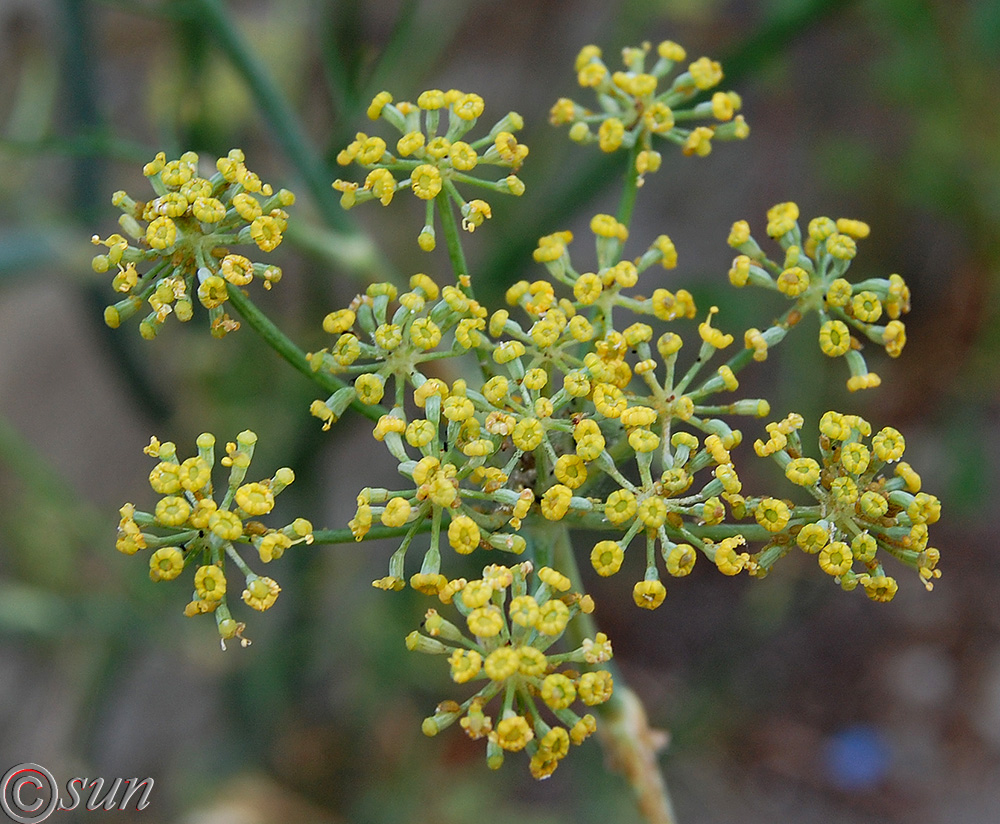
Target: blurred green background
787	699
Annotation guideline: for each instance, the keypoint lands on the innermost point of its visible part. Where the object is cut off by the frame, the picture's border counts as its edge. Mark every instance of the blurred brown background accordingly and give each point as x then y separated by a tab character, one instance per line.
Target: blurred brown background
787	699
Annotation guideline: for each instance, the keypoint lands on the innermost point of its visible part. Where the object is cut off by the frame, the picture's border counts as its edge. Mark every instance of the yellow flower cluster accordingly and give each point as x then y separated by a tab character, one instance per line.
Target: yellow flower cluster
862	514
183	233
431	156
189	528
505	643
638	104
812	275
376	344
535	440
575	407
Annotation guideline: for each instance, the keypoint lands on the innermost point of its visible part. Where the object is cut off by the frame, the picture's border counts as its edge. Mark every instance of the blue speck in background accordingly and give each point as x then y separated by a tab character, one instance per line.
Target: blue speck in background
856	757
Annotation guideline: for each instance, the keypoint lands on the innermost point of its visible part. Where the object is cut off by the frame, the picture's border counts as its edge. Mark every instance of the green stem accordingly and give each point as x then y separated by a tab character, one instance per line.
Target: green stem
283	345
456	254
627	203
345	536
453	239
624	730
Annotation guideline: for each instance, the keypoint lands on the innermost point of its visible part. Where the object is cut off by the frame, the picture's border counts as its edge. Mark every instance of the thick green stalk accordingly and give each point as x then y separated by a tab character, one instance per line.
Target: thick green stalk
625	732
453	239
631	189
283	345
456	254
345	536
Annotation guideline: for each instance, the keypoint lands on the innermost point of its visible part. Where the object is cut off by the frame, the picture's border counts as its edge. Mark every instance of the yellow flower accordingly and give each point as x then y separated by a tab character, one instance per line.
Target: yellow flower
512	734
570	470
165	478
713	337
793	282
597	650
531	662
726	558
706	73
524	611
781	219
463	534
266	232
596	687
652	511
558	691
528	435
610	134
210	583
225	524
839	292
468	106
166	563
161	233
553	616
844	490
508	351
835	558
555	579
812	538
261	593
880	587
465	665
924	509
272	546
866	307
236	269
855	458
425	333
834	338
609	400
583	729
172	511
642	440
587	288
646	594
699	142
864	546
607	557
336	323
873	505
501	664
802	471
841	247
772	514
485	622
888	445
425	180
680	560
255	499
555	501
397	512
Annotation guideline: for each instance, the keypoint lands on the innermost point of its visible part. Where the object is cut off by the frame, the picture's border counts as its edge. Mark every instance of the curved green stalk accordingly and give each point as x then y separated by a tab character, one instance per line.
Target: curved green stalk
286	348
